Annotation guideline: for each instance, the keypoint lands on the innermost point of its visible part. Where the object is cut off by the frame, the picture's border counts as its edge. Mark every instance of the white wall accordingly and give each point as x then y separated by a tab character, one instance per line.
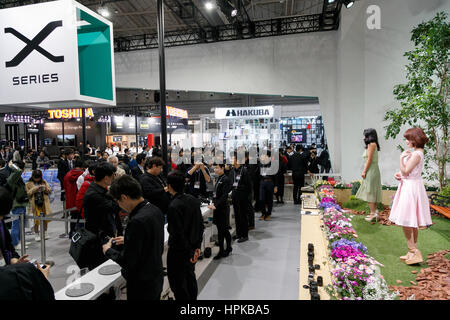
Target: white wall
352	71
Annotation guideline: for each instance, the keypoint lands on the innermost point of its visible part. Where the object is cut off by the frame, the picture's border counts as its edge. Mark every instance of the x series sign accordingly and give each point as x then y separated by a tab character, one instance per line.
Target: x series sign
56	53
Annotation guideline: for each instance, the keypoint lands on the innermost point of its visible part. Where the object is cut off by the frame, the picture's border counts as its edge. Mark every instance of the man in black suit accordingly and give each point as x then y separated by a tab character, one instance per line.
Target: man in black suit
154	188
299	165
185	226
4	172
139	169
65	164
221	207
143	244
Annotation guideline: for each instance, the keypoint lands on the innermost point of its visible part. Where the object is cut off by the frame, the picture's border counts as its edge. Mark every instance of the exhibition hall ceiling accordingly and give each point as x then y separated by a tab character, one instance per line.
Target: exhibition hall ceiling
205	21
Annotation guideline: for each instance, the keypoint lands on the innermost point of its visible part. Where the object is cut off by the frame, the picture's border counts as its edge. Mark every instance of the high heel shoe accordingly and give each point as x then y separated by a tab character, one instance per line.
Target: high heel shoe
371	216
407	256
415	258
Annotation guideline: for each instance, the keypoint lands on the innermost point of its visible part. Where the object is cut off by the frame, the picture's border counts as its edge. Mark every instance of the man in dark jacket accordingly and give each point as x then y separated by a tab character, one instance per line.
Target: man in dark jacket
4	173
242	187
143	244
221	207
299	165
101	211
16	186
268	185
65	164
8	254
25	282
154	188
185	226
137	171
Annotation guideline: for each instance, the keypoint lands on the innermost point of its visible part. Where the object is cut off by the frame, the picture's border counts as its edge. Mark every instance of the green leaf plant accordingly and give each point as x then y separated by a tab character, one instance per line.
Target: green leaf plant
424	98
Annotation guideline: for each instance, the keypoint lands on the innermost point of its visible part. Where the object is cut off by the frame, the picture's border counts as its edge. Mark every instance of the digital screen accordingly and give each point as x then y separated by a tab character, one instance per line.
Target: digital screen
69	140
298	136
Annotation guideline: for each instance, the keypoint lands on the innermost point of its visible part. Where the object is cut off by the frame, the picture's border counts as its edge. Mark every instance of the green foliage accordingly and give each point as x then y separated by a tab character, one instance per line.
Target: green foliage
355	187
424	98
360	205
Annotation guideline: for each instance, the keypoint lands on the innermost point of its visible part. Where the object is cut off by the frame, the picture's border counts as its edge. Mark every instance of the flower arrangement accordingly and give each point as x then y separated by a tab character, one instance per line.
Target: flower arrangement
342	185
321	183
356	275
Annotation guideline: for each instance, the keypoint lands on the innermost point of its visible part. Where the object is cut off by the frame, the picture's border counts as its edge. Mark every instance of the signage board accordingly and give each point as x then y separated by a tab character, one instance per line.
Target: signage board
70	113
120	124
246	112
57	53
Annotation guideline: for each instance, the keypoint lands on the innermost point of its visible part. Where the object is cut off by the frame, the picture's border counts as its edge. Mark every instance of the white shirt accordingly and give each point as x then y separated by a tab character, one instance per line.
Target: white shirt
116	150
108	151
80	179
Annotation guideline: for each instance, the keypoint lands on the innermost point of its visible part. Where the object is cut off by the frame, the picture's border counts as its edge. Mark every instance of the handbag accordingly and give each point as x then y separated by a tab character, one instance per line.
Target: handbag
82	245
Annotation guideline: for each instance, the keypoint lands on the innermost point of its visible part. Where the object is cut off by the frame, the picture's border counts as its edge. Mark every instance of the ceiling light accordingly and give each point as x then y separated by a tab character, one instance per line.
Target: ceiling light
234	13
209	5
331	1
104	12
348	3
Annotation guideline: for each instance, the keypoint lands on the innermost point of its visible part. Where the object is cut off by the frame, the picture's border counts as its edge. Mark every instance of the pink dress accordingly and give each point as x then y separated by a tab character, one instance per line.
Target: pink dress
411	207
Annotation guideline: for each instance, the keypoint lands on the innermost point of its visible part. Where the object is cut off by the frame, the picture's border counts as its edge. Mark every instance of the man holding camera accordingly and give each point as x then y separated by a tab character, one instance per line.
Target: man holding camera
143	243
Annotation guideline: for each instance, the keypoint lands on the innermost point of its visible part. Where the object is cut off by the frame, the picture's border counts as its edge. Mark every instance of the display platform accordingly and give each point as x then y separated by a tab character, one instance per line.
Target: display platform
311	232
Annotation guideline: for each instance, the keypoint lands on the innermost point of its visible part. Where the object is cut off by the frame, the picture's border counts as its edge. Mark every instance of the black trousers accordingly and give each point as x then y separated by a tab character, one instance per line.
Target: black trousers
280	187
256	183
266	196
73	225
181	275
250	213
324	170
299	181
223	234
241	207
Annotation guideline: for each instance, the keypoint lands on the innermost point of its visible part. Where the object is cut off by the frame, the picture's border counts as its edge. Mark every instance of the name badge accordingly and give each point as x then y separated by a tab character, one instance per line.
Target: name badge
235	184
214	194
238	178
197	185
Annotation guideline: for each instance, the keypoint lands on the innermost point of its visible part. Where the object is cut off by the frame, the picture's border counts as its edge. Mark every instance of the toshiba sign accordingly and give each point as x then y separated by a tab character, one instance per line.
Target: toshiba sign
69	113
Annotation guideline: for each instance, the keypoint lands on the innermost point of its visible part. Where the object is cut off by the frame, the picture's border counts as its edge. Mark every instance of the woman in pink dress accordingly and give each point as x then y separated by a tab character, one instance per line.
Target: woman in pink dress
411	208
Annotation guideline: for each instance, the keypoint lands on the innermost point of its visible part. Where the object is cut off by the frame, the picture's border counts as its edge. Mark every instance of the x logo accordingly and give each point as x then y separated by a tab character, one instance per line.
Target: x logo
34	44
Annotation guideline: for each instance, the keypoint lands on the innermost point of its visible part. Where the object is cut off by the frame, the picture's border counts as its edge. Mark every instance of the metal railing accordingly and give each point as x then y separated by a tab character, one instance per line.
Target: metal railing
42	218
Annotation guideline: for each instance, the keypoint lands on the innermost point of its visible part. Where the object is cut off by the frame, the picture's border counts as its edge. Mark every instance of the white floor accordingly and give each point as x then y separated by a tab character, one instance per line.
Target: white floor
266	266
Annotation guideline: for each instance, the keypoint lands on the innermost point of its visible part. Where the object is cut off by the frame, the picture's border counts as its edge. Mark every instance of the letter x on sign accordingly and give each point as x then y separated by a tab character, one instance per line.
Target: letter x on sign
34	44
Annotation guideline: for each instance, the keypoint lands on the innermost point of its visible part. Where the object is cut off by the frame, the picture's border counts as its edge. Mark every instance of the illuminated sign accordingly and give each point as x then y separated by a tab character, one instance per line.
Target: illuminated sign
70	113
247	112
175	112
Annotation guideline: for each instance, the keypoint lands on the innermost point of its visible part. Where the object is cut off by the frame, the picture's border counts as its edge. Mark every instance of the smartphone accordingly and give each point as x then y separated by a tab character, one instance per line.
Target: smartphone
33	262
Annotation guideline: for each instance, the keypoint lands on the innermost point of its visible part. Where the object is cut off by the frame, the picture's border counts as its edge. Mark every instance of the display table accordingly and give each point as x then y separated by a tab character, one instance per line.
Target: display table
312	233
102	283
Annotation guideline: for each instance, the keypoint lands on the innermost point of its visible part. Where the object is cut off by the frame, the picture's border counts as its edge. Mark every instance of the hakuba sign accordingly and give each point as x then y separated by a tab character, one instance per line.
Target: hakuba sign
70	113
246	112
57	53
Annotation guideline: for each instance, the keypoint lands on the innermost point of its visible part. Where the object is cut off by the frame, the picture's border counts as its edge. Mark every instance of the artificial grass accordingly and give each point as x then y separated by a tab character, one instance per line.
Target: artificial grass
387	243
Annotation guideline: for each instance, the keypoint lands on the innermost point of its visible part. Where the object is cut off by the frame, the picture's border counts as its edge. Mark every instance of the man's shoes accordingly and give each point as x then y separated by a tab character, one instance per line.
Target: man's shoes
267	218
46	236
262	217
235	237
37	238
251	228
218	256
282	202
227	252
243	239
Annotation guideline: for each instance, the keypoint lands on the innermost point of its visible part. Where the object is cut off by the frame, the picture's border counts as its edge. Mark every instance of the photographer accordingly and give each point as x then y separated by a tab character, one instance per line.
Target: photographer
38	191
16	186
143	244
198	176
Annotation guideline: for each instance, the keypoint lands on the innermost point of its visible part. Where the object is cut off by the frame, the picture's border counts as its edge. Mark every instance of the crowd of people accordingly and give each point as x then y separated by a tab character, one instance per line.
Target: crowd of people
139	193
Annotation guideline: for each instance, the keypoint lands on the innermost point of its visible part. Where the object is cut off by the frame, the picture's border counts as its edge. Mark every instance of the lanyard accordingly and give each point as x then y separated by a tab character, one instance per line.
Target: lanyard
234	174
218	181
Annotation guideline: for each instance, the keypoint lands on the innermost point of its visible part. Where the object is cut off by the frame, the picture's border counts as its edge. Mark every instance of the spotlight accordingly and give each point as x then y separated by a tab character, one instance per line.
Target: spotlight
104	12
331	1
348	3
234	13
209	5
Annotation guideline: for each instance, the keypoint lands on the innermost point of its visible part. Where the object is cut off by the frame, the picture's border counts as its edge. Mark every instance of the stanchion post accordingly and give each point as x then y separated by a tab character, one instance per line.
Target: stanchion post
42	231
22	233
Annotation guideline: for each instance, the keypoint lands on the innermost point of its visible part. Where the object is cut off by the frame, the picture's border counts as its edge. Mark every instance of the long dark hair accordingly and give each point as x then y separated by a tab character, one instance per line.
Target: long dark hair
370	135
38	175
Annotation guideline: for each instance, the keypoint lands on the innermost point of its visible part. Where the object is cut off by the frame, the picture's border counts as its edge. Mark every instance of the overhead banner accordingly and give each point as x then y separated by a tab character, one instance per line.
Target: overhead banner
56	53
121	124
247	113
